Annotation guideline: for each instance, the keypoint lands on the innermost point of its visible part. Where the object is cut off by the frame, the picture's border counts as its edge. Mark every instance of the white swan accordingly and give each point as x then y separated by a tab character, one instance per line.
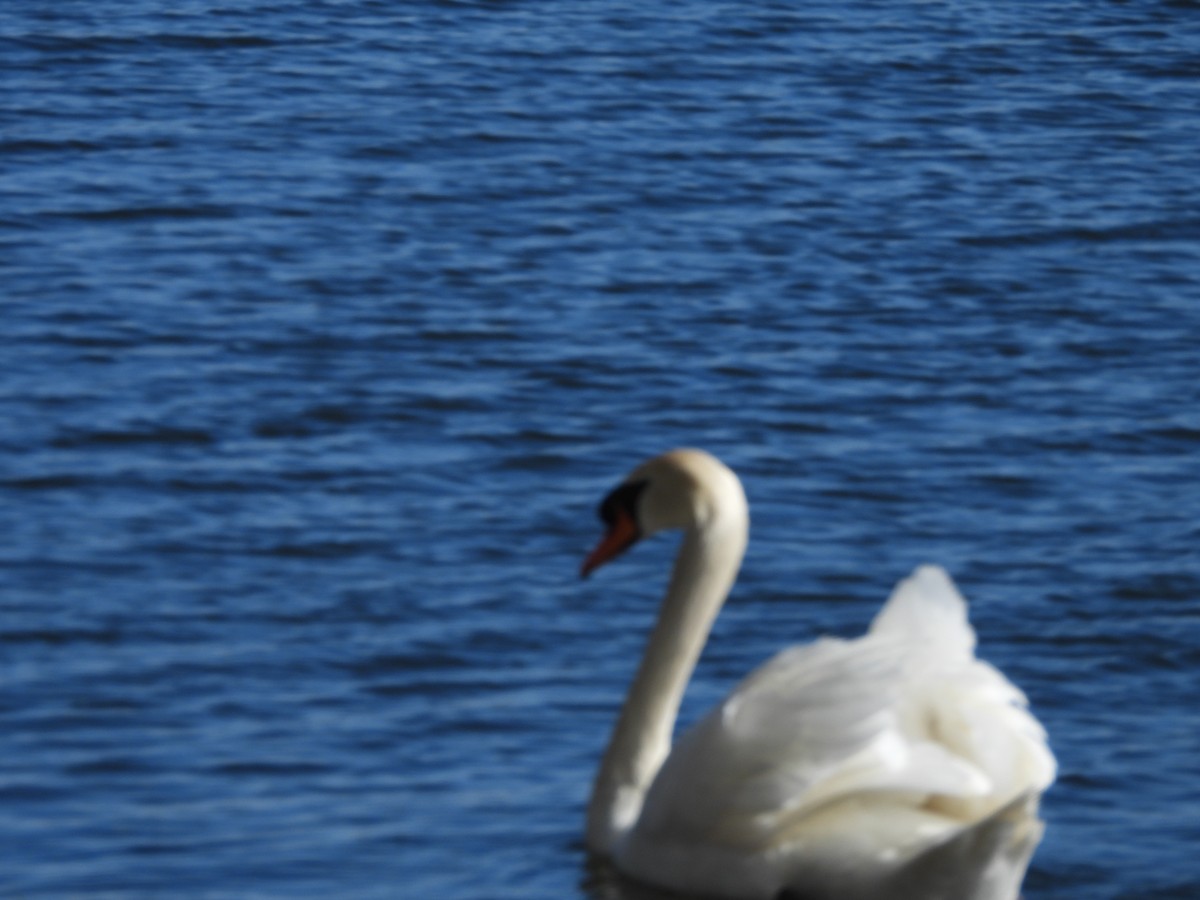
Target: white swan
892	767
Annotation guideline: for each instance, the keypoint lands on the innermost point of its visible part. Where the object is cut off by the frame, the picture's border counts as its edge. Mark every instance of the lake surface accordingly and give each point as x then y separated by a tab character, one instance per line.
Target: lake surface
326	326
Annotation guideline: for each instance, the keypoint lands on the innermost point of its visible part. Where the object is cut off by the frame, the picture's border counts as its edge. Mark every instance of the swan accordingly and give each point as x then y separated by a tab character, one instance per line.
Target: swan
895	766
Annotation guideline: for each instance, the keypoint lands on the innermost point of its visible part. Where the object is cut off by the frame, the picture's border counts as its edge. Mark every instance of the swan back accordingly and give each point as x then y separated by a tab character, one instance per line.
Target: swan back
842	762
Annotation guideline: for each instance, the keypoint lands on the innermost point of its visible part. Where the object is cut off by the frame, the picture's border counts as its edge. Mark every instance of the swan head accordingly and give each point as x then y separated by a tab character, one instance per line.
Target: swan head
682	489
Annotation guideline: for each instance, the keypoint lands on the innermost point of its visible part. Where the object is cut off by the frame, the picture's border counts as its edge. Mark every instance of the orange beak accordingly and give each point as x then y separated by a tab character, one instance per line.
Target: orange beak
622	534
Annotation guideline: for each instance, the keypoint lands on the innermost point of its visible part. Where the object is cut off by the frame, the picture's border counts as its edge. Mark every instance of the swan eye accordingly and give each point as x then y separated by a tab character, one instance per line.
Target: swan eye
621	500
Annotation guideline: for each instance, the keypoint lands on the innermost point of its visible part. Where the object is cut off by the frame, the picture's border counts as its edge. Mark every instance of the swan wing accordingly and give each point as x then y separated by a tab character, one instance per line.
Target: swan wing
904	713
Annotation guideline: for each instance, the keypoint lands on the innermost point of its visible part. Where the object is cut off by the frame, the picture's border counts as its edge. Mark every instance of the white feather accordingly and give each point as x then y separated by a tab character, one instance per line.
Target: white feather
896	765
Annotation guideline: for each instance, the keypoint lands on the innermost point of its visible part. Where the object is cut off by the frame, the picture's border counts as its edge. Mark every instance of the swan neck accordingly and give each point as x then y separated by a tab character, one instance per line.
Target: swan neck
705	568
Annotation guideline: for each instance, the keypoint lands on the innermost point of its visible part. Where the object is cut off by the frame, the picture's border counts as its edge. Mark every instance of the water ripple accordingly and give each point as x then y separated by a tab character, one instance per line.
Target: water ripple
327	325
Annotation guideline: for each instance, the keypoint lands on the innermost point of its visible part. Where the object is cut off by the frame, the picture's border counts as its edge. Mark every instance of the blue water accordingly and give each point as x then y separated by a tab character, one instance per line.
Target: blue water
327	324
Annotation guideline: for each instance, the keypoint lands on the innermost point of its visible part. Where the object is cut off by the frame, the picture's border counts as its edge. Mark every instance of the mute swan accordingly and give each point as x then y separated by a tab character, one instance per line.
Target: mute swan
891	767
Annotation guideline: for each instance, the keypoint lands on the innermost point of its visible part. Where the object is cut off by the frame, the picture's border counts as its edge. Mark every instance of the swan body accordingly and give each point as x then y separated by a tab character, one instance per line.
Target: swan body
896	765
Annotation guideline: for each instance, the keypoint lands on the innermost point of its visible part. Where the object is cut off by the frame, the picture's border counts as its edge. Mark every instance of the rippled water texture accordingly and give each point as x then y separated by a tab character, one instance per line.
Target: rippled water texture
326	325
